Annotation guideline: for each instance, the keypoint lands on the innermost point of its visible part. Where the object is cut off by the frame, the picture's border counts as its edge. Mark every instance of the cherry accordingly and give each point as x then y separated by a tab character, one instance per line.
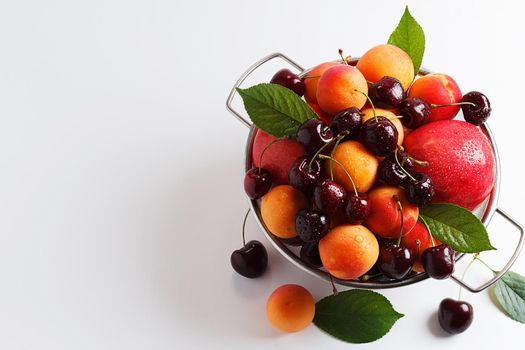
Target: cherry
329	196
310	254
379	135
289	80
420	189
455	316
390	170
313	135
311	225
415	112
395	261
438	261
479	110
387	92
257	183
305	174
357	208
348	120
252	259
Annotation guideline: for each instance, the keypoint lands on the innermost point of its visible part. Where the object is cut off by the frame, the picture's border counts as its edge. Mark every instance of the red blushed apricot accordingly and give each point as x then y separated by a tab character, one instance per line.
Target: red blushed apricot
310	92
387	60
279	208
341	87
438	89
384	219
369	113
290	308
348	251
322	115
360	164
418	234
278	158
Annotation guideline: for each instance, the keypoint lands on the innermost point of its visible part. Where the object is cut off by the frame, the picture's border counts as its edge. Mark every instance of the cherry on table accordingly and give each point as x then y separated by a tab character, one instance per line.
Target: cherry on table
257	182
387	92
438	261
329	196
357	208
415	112
379	135
251	260
286	78
314	134
305	174
455	316
311	225
420	190
477	112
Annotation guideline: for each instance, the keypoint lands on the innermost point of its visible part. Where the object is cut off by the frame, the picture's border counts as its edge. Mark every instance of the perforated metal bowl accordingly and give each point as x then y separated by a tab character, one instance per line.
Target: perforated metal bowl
485	212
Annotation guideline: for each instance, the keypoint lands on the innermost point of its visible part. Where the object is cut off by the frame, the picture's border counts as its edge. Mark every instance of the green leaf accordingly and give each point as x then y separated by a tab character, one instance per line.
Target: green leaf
457	227
510	293
356	316
275	109
409	37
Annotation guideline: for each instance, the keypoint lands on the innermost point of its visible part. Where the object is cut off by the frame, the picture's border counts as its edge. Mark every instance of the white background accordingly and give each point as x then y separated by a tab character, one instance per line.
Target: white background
120	169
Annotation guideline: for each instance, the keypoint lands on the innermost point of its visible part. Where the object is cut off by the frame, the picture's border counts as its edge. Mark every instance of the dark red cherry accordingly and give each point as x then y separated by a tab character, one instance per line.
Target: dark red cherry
311	225
390	172
421	191
415	112
302	176
478	113
395	261
314	134
379	136
257	183
289	80
329	196
357	208
348	120
310	254
455	316
251	260
438	261
387	92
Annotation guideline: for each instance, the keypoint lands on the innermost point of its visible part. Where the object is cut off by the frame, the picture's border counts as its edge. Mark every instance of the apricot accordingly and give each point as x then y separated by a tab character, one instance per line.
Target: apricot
279	208
341	87
290	308
369	113
278	158
384	218
387	60
437	89
359	162
348	251
418	234
310	92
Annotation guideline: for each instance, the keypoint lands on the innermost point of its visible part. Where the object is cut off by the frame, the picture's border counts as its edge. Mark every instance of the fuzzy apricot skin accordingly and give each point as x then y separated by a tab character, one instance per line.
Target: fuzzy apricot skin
359	162
290	308
348	251
384	218
279	208
310	92
387	60
369	113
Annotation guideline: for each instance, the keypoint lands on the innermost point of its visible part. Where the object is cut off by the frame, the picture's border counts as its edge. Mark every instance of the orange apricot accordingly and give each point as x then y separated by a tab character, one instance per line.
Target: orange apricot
290	308
369	113
310	92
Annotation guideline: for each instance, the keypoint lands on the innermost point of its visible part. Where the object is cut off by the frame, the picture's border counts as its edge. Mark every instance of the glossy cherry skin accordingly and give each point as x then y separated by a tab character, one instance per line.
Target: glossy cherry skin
348	120
421	191
311	225
380	136
438	261
395	261
455	316
310	254
257	183
391	173
251	260
387	92
329	196
415	112
286	78
357	208
314	134
479	113
303	177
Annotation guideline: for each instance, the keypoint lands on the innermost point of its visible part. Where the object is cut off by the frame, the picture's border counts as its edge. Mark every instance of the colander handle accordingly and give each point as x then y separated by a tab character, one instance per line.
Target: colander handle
507	266
246	74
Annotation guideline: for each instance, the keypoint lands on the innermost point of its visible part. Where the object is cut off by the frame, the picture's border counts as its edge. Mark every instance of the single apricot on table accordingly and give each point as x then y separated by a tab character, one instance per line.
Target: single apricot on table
290	308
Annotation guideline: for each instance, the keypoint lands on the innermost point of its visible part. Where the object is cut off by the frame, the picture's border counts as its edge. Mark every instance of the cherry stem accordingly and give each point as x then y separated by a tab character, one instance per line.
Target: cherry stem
418	243
317	154
453	104
339	139
463	275
476	257
371	103
266	147
401	166
334	289
342	57
365	278
311	76
419	162
244	226
322	156
426	225
400	209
